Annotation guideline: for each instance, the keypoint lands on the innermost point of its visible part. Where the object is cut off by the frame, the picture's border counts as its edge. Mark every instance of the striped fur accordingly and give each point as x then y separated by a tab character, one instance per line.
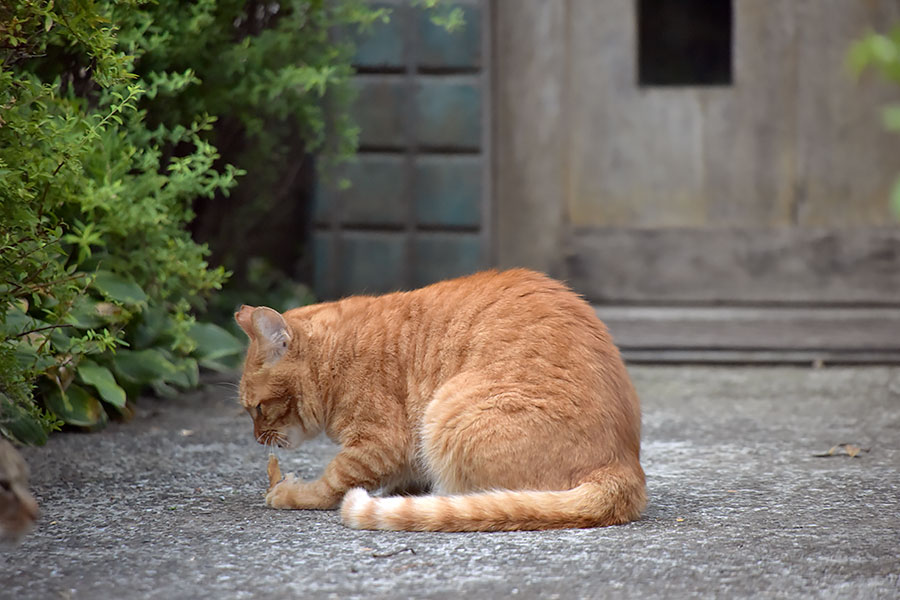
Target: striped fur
502	391
612	501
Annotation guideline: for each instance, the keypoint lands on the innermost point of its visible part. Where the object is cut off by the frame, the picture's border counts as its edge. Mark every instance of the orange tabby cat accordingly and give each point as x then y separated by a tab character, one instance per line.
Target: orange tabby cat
501	392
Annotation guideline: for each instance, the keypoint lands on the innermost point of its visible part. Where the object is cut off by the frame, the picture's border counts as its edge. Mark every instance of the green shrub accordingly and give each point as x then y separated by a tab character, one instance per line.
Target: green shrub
98	275
278	81
109	128
278	77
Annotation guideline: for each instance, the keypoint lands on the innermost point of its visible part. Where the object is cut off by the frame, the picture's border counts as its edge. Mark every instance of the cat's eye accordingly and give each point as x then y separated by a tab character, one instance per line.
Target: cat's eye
258	410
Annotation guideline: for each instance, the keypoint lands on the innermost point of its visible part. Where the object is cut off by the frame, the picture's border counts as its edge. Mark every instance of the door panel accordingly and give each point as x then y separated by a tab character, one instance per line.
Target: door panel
769	193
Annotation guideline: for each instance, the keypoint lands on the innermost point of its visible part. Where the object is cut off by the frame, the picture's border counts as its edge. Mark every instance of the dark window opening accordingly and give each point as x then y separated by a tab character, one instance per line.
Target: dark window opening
684	42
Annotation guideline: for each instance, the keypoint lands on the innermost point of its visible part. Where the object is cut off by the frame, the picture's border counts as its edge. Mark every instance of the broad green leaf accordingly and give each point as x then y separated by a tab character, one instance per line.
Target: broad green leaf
26	430
22	426
89	313
164	390
214	342
62	338
188	374
102	378
75	406
192	369
17	321
151	325
142	366
119	288
29	357
226	363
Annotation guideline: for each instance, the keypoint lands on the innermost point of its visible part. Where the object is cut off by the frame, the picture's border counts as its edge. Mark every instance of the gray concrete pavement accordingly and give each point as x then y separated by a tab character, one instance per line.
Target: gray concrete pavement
170	506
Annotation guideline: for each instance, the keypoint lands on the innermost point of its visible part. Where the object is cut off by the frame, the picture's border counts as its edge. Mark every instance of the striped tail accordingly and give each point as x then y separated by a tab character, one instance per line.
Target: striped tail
610	501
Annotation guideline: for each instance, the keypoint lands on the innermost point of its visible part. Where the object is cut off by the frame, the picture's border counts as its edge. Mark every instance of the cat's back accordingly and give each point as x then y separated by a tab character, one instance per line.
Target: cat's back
513	293
512	313
518	322
520	288
519	301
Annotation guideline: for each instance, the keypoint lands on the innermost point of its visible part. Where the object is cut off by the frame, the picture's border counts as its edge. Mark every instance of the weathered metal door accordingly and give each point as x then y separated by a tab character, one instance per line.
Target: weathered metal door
747	217
418	209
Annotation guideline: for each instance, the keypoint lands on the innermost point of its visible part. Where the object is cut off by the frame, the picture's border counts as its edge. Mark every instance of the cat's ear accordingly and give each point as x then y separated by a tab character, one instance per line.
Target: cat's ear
243	319
267	328
270	331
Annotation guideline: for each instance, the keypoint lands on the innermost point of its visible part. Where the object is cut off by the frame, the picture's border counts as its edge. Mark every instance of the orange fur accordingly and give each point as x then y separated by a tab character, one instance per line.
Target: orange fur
501	391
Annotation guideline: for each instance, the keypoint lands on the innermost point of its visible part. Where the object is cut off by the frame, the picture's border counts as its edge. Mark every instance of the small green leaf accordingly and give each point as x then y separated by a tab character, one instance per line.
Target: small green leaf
102	378
119	288
76	406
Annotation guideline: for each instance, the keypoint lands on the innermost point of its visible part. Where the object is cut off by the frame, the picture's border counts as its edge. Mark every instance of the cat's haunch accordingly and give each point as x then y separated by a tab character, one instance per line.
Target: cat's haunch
501	392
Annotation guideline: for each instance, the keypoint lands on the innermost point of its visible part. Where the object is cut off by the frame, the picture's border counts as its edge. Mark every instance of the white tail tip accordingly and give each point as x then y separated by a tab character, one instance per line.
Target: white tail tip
357	503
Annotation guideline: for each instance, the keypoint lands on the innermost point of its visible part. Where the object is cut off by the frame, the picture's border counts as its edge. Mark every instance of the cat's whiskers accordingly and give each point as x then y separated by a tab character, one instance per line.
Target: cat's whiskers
233	386
272	438
281	440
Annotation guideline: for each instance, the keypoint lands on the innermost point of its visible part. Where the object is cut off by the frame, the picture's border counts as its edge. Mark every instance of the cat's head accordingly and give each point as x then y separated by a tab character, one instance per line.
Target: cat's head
271	384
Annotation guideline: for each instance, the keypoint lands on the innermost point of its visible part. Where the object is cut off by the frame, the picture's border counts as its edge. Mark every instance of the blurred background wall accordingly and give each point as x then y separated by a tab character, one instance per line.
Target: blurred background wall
709	173
765	181
418	208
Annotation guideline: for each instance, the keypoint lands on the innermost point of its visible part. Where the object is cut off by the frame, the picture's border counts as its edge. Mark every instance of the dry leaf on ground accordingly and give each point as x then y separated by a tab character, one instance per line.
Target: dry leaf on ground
273	470
851	450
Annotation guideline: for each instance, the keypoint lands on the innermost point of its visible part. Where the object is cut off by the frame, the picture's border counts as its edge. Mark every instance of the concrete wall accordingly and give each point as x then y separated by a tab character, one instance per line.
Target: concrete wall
795	143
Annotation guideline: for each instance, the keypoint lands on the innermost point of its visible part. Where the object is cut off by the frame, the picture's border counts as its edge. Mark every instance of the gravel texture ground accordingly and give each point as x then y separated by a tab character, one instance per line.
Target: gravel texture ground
170	505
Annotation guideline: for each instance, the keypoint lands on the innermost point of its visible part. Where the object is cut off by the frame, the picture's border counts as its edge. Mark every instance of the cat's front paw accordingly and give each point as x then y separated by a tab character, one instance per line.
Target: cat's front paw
293	493
283	494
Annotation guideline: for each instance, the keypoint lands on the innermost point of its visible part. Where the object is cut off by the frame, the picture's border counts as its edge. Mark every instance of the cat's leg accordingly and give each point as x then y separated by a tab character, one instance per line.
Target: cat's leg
409	488
366	464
